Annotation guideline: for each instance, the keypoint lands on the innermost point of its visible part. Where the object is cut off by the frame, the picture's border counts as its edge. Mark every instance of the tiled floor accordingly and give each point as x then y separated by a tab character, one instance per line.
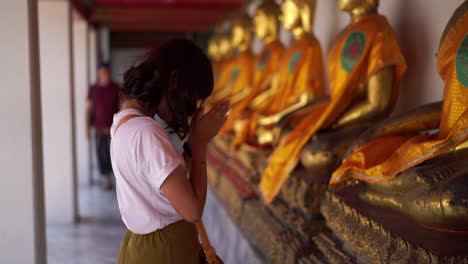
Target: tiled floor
96	238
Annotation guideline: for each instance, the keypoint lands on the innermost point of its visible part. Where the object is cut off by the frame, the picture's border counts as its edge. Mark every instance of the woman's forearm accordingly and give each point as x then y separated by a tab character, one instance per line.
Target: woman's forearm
198	173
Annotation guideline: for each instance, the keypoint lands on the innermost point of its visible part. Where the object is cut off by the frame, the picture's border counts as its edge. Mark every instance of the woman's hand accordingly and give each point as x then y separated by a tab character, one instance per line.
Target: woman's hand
204	127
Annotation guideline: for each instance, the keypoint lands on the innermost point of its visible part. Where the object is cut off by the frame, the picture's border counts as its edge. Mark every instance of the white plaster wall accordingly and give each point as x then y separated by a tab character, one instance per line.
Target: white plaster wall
418	25
22	231
92	75
104	44
122	59
80	68
93	54
57	109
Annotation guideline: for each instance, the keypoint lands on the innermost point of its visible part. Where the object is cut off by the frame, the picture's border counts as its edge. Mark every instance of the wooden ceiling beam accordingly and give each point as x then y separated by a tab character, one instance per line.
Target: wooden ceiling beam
158	27
109	15
165	4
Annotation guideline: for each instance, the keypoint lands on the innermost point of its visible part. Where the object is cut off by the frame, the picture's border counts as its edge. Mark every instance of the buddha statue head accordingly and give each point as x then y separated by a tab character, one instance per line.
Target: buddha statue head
266	21
224	46
297	16
241	32
213	48
358	8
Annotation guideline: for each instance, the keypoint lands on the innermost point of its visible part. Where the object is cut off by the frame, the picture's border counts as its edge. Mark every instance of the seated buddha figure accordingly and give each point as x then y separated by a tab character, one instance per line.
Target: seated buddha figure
266	29
238	78
298	81
365	66
221	62
214	55
404	166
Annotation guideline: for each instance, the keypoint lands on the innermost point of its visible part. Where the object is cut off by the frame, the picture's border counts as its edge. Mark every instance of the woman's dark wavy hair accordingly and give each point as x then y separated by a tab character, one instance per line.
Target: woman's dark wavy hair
175	77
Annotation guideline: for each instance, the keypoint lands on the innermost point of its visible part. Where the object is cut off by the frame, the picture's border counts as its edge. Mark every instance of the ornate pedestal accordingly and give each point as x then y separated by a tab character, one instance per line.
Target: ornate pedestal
383	235
280	233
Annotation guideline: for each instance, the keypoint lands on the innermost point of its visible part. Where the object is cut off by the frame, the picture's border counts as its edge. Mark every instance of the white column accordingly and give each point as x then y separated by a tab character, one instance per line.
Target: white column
22	231
93	55
80	75
93	61
55	39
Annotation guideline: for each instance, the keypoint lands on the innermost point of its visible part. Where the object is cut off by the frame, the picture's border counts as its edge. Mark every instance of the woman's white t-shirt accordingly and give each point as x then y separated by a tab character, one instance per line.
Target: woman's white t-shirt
143	156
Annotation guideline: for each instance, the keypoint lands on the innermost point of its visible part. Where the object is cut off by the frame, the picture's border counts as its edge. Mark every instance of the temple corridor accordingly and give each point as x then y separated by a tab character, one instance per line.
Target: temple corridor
95	238
346	140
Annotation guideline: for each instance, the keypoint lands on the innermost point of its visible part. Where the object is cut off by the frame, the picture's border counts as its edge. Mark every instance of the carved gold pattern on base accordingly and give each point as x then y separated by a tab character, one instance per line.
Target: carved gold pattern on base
305	226
278	241
306	197
227	193
372	241
312	259
267	233
332	251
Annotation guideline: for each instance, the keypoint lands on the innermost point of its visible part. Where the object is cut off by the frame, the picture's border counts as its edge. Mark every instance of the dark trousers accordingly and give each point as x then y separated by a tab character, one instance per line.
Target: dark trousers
103	154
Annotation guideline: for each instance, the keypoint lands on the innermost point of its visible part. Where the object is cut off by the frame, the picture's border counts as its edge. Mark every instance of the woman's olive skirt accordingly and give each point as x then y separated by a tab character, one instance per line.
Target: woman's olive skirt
174	244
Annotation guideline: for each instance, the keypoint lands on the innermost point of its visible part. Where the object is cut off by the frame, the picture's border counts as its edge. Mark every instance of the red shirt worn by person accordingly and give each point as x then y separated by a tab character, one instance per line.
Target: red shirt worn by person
106	103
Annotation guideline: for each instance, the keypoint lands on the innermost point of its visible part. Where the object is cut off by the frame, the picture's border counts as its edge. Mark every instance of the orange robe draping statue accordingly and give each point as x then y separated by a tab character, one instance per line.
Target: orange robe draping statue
241	73
383	158
266	64
363	49
300	69
221	73
221	50
236	75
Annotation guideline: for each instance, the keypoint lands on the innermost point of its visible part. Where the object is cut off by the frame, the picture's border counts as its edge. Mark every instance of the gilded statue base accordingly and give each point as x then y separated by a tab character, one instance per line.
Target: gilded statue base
304	226
230	188
249	161
276	240
382	235
333	249
304	190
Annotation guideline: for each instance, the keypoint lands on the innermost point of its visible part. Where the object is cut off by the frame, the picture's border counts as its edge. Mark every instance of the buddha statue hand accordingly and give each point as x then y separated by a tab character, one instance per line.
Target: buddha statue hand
421	118
434	195
324	152
284	124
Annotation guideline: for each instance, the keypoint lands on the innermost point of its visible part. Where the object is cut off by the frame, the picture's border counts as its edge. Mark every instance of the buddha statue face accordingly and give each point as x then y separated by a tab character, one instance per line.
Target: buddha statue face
213	49
352	5
290	16
241	34
224	47
266	21
297	15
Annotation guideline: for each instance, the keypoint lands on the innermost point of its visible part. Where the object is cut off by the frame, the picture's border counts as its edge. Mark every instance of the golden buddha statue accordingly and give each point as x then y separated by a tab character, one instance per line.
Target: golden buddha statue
365	65
420	174
266	28
298	82
238	82
214	55
222	60
212	50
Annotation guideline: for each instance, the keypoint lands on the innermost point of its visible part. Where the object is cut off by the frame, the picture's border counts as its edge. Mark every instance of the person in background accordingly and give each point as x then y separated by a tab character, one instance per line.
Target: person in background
102	103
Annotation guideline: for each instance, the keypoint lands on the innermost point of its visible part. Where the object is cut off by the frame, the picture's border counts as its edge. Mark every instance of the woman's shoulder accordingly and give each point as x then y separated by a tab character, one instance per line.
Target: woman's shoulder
146	127
136	125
